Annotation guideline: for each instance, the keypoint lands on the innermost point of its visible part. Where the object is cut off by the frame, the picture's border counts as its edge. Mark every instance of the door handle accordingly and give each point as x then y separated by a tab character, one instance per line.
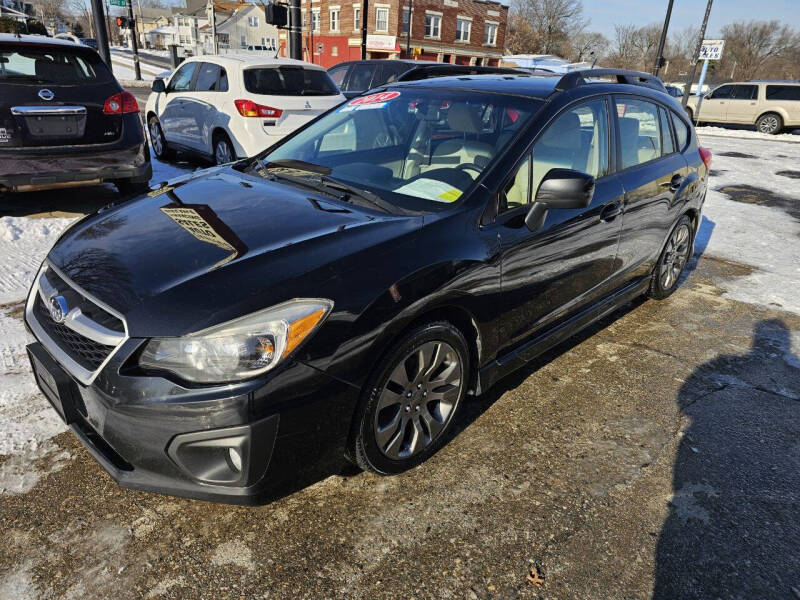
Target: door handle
673	183
611	211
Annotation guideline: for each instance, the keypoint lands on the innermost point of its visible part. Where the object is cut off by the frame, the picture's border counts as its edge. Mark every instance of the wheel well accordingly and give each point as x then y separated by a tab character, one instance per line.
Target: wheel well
218	131
769	112
693	215
150	115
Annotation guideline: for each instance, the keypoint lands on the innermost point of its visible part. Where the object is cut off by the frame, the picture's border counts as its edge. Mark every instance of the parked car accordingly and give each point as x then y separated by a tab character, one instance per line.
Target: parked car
357	76
234	106
243	328
674	91
261	48
65	121
771	106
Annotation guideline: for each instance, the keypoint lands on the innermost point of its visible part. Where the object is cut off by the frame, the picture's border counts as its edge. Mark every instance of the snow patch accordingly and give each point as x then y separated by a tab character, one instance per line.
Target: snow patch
18	584
234	553
711	130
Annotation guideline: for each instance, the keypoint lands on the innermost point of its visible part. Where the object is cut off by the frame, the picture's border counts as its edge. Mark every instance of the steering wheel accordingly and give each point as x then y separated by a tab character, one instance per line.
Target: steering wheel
471	166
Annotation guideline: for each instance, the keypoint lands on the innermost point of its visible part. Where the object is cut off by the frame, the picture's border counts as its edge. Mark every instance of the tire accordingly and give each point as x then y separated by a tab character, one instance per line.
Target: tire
770	123
130	187
409	405
157	140
223	149
672	262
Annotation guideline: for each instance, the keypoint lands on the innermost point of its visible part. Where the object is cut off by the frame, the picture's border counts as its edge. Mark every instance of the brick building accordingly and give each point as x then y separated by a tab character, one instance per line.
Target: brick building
470	32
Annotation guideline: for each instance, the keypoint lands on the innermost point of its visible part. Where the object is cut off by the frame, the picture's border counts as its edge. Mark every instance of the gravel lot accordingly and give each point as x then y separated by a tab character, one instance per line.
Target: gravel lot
655	456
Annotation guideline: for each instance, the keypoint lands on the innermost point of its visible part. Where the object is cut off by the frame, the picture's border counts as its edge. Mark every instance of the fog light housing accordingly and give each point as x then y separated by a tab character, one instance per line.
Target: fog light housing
232	456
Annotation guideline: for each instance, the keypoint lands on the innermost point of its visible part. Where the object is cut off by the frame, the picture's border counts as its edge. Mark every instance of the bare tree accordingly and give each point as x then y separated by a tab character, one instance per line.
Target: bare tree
587	46
81	13
759	48
635	47
544	26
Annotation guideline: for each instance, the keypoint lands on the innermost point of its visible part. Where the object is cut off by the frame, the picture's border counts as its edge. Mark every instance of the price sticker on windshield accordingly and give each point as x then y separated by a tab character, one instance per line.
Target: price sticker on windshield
378	100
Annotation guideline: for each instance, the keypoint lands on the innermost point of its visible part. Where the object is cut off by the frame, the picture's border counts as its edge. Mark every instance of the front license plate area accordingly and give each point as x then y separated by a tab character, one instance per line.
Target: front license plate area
54	383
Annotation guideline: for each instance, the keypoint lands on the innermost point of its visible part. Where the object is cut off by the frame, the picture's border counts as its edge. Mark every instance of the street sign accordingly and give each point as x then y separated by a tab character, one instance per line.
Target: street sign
711	49
122	3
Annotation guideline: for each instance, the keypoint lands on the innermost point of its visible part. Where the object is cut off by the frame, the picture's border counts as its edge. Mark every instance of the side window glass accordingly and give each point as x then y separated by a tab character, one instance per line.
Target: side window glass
223	80
360	78
577	139
207	78
182	80
744	92
639	131
337	74
666	134
681	132
722	93
516	192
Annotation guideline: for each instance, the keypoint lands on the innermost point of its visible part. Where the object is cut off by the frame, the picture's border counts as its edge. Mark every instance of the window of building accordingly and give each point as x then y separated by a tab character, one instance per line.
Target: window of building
381	19
334	50
252	21
356	17
334	15
405	23
490	34
433	25
463	29
243	41
315	19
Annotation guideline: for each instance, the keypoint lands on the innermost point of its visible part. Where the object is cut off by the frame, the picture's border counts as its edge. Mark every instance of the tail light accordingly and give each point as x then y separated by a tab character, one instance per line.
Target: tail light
248	108
121	104
705	154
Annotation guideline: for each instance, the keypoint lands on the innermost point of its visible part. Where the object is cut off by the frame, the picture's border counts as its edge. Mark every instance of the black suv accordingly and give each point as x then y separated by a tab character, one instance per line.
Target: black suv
239	329
64	119
357	76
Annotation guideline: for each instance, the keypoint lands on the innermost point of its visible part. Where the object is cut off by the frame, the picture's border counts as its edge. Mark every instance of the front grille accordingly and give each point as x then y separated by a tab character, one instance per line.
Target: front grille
87	353
88	308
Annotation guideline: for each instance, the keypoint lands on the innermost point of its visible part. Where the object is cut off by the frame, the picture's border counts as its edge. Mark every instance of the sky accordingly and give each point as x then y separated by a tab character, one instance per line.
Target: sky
604	14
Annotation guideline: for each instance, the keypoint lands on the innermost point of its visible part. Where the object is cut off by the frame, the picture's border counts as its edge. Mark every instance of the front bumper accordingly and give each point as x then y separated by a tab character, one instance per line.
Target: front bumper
22	171
154	435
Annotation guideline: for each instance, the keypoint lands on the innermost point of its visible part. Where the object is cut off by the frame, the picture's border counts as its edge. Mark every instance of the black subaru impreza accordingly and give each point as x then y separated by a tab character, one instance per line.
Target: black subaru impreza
338	296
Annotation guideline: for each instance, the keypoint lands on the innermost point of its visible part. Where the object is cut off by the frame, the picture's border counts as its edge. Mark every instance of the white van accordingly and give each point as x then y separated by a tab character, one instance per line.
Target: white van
235	106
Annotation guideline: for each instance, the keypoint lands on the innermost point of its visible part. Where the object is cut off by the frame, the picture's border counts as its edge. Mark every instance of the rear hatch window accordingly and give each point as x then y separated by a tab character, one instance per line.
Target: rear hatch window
54	96
289	81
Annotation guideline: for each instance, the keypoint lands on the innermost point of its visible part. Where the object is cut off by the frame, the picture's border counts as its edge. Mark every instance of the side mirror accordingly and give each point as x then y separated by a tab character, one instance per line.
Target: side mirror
560	188
158	86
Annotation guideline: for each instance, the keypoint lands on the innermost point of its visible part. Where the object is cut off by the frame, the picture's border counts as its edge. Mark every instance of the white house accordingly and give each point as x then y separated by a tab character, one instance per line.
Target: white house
239	25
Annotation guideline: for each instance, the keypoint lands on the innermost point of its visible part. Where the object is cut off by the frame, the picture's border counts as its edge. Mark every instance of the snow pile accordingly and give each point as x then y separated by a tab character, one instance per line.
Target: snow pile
714	131
764	237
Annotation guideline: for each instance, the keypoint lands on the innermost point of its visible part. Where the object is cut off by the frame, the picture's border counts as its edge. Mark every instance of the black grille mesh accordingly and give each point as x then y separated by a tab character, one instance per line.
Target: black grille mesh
87	353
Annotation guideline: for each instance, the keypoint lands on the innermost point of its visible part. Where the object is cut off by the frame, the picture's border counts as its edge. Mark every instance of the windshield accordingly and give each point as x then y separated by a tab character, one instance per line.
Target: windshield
289	81
416	148
67	66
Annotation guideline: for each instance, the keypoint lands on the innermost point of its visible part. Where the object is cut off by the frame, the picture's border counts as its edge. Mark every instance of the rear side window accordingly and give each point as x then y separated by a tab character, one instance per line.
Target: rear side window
783	92
67	66
681	132
223	80
182	80
639	131
337	74
361	77
208	78
289	81
666	133
744	92
392	71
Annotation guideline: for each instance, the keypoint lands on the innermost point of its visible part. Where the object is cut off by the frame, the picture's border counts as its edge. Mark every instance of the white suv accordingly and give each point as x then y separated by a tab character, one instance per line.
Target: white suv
235	106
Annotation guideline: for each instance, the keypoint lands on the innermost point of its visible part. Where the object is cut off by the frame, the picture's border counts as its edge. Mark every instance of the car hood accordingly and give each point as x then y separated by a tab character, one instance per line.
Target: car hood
218	245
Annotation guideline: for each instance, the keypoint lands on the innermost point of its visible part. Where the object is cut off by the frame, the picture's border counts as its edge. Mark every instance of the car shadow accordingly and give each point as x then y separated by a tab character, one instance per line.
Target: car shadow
67	202
733	525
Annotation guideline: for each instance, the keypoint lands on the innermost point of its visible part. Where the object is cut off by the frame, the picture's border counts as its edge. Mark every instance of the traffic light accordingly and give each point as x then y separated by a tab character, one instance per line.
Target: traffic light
124	23
276	14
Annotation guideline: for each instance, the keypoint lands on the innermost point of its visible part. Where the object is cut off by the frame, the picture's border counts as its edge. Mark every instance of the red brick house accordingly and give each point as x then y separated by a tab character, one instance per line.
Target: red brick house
470	32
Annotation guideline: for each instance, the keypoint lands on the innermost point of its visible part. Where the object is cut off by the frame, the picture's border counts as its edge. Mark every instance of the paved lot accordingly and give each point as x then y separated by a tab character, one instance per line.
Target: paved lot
657	455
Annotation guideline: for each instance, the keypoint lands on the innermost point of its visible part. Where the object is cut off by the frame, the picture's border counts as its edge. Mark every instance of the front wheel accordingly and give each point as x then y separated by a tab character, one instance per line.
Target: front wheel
673	259
412	399
223	149
770	123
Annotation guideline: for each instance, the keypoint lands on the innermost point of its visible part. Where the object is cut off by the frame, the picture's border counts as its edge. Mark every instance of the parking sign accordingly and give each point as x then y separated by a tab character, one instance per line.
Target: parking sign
711	49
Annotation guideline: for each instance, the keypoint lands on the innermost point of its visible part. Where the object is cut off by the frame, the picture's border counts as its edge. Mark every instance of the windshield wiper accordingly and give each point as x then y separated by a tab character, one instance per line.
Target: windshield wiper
290	163
363	194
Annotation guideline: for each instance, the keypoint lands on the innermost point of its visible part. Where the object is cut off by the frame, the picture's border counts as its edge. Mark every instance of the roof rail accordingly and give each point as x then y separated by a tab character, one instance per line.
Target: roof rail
576	78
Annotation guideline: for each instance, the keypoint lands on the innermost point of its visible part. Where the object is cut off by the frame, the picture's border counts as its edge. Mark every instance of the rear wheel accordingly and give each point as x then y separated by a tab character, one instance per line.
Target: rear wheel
223	149
413	397
770	123
158	141
673	259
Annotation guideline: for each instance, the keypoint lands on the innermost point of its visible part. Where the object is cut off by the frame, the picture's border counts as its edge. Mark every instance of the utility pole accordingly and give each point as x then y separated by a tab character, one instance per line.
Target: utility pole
99	20
141	20
408	39
137	70
364	22
214	43
295	31
663	40
688	91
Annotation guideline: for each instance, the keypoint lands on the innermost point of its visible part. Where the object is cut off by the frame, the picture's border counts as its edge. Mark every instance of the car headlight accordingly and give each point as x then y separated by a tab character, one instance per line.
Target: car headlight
239	349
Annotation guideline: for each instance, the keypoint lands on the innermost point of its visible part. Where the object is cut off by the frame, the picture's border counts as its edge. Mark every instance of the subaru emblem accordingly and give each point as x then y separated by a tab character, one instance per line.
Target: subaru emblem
308	104
58	309
46	94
